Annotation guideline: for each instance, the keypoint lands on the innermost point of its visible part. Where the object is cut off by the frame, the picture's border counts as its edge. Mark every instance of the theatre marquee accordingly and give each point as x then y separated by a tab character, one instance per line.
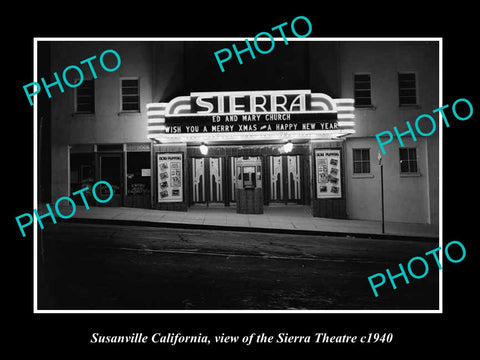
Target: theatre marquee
250	115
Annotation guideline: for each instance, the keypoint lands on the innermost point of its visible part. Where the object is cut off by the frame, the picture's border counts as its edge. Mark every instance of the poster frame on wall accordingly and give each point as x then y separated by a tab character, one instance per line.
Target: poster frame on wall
167	192
328	192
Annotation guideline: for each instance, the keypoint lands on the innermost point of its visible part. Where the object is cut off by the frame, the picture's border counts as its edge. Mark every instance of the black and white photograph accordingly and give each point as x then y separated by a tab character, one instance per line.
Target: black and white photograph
240	180
276	239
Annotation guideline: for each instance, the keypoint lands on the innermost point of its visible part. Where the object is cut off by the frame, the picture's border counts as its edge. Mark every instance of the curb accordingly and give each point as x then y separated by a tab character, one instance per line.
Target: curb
372	236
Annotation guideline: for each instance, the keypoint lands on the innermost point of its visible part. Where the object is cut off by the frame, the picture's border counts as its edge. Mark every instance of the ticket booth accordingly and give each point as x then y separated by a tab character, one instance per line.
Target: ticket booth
249	192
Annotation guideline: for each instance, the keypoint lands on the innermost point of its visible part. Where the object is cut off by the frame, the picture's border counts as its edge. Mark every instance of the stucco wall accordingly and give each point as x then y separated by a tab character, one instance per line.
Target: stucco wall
108	124
405	195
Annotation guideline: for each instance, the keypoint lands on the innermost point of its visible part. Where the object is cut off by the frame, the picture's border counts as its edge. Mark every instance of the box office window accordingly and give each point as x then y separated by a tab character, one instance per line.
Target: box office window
85	97
407	88
130	94
362	90
249	177
408	160
361	161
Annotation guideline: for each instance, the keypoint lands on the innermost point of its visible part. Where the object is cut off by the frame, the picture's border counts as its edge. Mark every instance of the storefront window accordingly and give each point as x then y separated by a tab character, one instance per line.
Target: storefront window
82	171
138	173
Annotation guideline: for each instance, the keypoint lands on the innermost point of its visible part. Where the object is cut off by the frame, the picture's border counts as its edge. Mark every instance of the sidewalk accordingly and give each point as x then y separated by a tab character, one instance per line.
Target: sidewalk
290	219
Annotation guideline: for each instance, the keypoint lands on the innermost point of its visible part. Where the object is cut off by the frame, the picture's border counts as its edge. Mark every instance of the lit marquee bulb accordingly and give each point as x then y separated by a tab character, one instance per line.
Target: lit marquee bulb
288	147
204	149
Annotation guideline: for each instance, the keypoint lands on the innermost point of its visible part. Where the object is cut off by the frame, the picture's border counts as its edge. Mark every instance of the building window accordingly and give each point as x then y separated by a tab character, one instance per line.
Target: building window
362	90
408	160
85	98
361	161
130	94
407	88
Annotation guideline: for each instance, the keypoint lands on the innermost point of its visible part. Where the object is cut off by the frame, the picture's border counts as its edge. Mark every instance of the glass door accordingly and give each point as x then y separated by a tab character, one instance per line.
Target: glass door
207	180
215	179
111	171
285	179
198	180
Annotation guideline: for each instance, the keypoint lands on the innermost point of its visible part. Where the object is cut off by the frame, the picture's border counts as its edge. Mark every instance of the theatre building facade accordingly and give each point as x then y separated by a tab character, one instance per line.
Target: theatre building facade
168	130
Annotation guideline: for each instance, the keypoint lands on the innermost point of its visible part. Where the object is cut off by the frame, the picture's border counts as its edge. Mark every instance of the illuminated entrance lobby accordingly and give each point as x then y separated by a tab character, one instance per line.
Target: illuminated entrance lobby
251	149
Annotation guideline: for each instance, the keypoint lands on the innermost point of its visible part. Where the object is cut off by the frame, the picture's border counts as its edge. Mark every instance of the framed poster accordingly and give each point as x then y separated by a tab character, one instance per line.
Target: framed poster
328	173
170	177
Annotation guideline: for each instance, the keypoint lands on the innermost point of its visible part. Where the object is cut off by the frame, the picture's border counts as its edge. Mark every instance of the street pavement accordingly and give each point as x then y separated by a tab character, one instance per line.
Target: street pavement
118	267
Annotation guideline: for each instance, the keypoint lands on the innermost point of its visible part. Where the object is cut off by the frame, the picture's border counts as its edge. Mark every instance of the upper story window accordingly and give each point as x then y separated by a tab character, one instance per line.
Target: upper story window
407	88
362	87
130	100
85	97
361	161
408	160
